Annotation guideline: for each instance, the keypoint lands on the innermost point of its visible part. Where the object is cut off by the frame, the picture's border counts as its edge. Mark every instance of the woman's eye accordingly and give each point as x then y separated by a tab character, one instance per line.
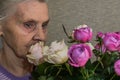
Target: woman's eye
44	26
30	25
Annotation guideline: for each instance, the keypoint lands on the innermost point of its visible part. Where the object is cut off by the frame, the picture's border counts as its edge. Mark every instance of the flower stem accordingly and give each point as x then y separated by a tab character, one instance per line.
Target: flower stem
83	73
98	64
65	31
68	68
112	77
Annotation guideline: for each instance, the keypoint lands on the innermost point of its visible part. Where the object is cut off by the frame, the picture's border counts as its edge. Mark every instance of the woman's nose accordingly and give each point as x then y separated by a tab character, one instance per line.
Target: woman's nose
40	34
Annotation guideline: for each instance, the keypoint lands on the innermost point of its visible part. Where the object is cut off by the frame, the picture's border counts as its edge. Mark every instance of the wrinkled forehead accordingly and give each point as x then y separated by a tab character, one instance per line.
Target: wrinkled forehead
32	9
28	9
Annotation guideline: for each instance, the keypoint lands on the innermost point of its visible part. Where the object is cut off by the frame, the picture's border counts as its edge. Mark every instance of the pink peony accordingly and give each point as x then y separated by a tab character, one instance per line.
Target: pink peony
79	54
117	67
112	41
83	33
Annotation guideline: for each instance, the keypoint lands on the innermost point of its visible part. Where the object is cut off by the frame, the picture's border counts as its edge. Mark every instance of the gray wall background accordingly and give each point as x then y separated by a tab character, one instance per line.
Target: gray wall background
101	15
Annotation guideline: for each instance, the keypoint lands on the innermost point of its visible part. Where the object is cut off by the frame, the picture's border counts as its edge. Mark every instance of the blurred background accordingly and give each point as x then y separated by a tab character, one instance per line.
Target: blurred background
100	15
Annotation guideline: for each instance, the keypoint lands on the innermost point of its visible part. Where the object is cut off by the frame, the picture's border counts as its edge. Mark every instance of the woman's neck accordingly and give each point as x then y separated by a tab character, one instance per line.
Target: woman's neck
15	65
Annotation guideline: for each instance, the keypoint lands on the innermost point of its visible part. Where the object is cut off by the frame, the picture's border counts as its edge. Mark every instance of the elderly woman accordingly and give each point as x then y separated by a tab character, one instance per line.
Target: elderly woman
22	24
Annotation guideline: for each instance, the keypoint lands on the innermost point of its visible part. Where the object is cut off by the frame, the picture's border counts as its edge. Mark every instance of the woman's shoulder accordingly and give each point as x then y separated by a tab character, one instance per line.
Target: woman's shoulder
5	75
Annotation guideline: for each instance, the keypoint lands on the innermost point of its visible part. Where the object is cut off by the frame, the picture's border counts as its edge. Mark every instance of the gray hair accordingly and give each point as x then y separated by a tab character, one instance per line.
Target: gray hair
5	6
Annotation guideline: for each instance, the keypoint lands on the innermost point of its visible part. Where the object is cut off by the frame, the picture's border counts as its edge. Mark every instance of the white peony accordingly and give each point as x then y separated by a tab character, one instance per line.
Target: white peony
35	57
56	53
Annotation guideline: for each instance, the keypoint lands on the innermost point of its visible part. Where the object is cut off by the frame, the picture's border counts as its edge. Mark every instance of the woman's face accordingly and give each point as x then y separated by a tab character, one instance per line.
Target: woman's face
25	27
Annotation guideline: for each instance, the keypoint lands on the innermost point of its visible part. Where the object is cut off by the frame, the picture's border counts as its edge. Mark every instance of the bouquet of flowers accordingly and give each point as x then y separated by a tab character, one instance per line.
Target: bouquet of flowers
81	60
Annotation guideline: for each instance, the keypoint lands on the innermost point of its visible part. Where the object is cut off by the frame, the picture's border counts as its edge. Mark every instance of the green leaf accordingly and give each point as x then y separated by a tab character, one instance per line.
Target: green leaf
89	64
51	78
101	63
42	78
41	68
96	52
108	70
68	68
58	72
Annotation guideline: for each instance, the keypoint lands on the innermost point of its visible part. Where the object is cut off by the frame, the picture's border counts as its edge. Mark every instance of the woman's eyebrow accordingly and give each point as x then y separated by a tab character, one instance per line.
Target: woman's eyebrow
30	21
46	22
